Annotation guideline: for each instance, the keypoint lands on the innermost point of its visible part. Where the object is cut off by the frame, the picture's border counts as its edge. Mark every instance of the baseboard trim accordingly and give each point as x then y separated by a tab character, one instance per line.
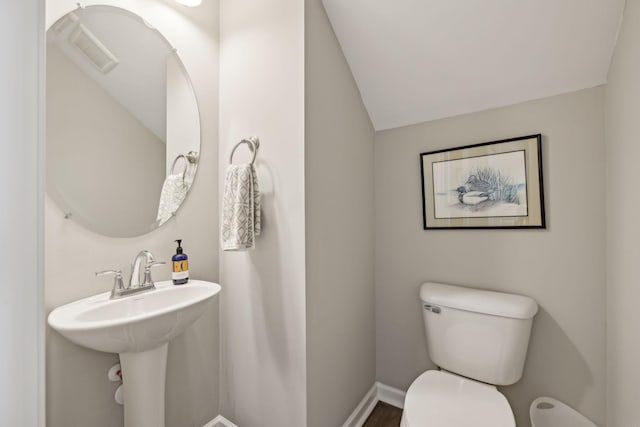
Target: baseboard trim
364	409
220	421
391	395
378	393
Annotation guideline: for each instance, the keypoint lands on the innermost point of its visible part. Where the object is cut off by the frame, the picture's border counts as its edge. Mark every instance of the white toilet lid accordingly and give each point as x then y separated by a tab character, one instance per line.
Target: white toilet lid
440	399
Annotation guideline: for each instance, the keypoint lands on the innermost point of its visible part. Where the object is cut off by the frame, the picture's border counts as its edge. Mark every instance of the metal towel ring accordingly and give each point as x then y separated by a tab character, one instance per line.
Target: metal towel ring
190	157
253	143
186	164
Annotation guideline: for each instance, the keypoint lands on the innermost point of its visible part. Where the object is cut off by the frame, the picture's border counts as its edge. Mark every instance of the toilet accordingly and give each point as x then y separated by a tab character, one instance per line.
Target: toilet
478	339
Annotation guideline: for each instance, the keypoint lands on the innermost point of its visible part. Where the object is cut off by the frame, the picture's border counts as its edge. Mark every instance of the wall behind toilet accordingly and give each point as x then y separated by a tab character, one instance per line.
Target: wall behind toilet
78	392
561	267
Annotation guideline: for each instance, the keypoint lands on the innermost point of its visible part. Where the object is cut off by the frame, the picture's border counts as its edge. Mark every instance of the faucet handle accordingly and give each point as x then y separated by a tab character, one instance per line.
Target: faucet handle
118	284
147	272
106	272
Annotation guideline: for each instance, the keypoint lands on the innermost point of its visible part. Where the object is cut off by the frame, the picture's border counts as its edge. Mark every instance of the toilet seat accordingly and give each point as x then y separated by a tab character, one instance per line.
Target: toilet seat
437	399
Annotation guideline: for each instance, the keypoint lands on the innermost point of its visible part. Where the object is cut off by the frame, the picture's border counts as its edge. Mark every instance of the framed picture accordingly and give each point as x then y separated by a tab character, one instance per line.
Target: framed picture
491	185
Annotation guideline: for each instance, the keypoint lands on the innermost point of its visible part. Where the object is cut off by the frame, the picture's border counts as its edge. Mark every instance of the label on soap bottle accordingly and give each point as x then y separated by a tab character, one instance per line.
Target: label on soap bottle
180	270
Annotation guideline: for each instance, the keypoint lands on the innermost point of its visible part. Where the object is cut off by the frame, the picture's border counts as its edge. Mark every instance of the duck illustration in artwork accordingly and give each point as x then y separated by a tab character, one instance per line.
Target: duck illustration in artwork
473	197
476	184
475	191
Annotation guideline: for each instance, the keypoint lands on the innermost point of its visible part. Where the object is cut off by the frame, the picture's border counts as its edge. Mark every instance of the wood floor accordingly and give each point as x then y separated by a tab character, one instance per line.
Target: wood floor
384	415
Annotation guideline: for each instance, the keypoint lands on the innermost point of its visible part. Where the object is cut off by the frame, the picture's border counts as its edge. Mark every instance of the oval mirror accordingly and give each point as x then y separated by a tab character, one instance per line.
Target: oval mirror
123	127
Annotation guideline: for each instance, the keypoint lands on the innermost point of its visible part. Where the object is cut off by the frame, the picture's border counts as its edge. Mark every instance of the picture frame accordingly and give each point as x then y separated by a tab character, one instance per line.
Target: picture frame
495	184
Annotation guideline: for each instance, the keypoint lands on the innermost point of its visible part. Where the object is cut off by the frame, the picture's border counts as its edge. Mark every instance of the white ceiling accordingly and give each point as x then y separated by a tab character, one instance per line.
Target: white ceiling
420	60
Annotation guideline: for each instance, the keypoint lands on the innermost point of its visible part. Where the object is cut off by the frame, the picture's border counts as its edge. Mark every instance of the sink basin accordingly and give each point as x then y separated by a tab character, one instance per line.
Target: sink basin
134	323
137	327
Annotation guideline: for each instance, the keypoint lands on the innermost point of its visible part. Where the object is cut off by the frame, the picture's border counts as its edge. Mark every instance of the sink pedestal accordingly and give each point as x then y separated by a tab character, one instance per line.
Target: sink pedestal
143	379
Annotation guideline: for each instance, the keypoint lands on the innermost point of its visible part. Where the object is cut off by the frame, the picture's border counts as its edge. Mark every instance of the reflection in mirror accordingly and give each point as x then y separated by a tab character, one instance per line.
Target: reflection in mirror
123	128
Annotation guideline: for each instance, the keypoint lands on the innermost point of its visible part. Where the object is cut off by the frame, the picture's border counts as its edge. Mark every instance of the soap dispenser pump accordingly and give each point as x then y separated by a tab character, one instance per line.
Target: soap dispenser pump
180	273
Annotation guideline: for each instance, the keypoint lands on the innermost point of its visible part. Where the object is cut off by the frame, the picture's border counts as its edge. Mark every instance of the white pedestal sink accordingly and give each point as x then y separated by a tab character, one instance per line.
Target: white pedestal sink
138	328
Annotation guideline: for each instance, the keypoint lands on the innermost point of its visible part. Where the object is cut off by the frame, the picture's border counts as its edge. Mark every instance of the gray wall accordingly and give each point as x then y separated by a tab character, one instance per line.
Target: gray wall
78	392
339	227
623	293
561	267
21	216
263	332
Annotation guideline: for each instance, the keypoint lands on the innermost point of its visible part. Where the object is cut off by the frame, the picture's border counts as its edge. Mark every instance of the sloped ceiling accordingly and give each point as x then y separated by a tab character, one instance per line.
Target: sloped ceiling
421	60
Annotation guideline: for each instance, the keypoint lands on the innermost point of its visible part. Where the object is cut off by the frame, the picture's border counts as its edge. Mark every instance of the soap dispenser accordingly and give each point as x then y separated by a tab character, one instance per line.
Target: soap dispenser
180	273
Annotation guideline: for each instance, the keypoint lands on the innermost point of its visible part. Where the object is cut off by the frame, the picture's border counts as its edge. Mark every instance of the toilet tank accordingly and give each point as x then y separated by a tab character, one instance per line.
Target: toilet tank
475	333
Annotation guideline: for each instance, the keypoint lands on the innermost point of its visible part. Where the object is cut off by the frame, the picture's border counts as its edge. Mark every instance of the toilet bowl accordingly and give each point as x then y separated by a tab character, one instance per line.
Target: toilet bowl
438	399
548	412
478	339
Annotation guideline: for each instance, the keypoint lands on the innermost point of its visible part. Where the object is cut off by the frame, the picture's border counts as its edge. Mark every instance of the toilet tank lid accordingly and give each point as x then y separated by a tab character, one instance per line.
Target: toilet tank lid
479	301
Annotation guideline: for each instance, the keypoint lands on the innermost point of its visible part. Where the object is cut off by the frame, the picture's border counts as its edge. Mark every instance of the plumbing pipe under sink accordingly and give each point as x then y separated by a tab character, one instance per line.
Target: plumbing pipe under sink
548	412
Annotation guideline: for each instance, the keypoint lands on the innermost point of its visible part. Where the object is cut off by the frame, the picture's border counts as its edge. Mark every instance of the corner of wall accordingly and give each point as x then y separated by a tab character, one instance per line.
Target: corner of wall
339	228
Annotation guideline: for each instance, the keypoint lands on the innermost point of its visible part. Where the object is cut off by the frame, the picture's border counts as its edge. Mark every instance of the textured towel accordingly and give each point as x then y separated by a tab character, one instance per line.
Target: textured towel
240	208
174	191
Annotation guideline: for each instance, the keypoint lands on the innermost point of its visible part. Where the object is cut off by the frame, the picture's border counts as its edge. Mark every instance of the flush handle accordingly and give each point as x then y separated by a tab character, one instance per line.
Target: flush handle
432	308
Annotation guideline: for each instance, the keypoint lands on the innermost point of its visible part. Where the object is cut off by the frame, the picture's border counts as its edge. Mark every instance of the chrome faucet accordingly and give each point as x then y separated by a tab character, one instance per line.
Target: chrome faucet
147	257
134	286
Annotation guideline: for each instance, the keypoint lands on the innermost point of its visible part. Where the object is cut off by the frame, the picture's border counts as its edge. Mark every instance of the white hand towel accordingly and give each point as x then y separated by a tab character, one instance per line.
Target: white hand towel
240	208
174	191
